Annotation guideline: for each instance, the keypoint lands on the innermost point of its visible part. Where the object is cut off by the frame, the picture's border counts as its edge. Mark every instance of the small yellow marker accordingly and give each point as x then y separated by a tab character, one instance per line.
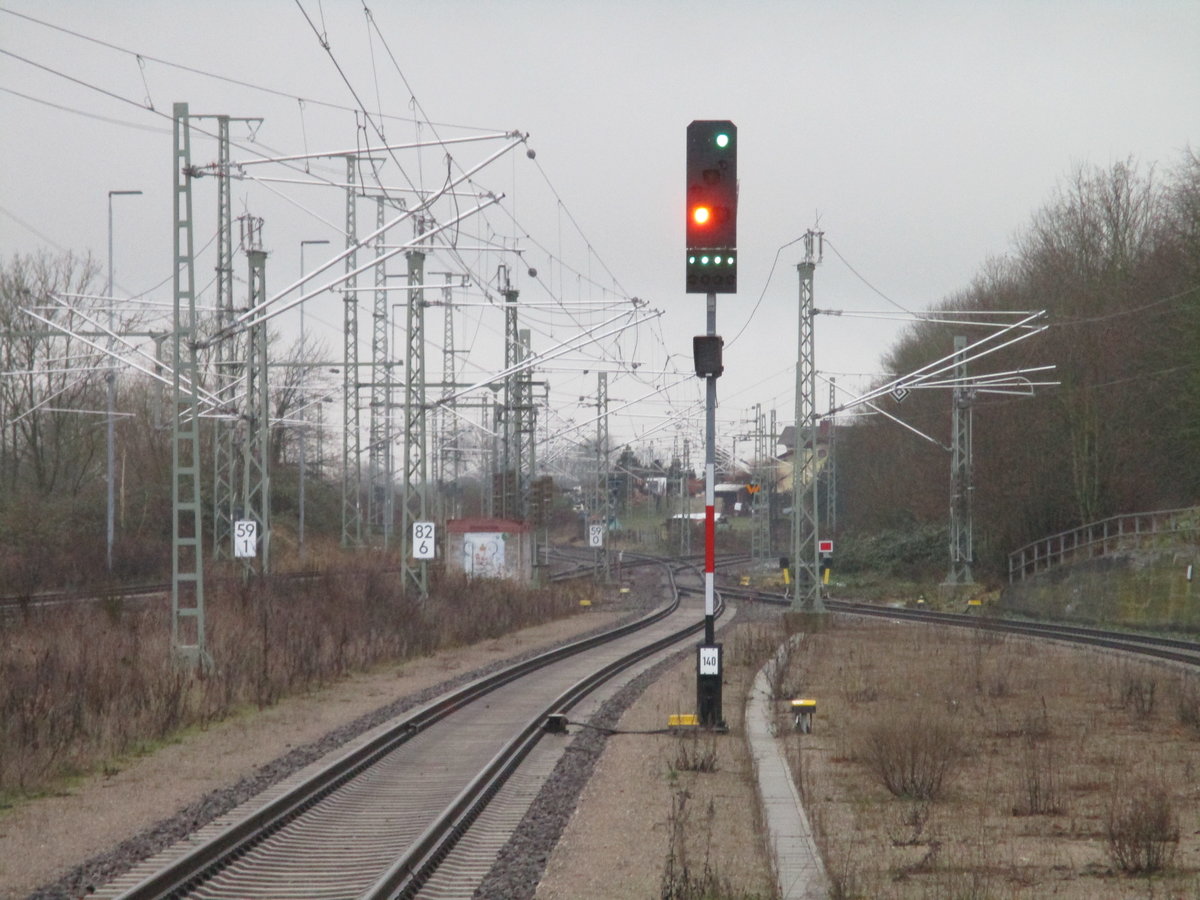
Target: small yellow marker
585	602
974	601
744	580
682	720
802	713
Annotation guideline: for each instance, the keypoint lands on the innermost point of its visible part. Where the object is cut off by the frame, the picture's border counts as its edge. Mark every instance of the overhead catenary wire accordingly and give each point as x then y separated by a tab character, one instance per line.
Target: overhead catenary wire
617	352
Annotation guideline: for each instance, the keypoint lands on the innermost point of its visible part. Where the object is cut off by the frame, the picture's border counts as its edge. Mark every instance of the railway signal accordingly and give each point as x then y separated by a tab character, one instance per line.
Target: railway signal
711	207
711	252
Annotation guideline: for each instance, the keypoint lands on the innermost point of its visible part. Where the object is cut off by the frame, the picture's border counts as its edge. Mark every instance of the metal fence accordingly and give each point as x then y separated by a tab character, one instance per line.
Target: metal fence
1098	539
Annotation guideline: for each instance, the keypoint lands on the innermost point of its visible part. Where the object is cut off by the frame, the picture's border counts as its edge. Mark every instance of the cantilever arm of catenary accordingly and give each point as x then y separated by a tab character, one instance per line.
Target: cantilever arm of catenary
577	425
259	314
386	148
42	403
947	363
212	401
255	314
950	361
565	347
903	424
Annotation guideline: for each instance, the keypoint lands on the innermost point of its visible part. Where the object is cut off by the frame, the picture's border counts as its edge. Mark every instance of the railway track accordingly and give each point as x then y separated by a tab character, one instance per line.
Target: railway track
1149	645
380	819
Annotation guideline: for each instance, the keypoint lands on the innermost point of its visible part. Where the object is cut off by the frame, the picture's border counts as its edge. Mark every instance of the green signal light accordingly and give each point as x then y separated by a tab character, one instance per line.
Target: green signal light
722	140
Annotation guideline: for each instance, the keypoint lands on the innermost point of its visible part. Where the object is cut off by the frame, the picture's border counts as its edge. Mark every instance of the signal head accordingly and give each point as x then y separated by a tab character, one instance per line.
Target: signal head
711	206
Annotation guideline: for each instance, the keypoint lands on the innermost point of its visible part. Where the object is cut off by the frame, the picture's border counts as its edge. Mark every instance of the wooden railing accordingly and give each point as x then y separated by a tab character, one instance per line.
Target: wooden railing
1098	539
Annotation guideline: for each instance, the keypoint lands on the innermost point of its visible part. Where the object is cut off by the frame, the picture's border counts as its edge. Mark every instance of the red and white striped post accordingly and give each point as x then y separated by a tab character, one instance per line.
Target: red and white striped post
710	543
708	658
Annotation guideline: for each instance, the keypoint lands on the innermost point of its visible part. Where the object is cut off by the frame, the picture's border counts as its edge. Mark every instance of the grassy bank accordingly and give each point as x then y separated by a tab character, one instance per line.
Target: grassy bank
82	684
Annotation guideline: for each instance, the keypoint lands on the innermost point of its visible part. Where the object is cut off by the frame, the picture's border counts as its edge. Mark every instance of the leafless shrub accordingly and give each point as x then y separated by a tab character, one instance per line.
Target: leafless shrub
1035	726
684	878
926	864
1039	781
843	870
911	757
694	753
915	818
1137	693
753	646
1187	704
1142	829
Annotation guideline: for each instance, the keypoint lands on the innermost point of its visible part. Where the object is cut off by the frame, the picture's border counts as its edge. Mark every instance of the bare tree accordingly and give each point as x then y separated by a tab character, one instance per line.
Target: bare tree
52	387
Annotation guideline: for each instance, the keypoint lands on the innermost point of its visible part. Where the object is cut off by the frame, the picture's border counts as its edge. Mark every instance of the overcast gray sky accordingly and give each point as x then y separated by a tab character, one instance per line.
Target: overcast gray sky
920	136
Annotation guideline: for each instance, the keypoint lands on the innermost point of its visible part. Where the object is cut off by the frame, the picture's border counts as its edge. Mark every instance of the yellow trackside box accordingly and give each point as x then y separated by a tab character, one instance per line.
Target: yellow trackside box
681	720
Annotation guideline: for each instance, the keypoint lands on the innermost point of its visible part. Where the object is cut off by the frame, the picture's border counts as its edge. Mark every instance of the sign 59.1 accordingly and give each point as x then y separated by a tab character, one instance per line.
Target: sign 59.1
245	539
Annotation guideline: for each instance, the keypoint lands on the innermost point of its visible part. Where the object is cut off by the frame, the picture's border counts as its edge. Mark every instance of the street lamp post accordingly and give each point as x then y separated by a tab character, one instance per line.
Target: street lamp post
111	379
303	400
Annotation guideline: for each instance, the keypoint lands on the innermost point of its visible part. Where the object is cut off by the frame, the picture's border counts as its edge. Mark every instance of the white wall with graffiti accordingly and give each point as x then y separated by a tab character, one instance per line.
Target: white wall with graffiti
490	548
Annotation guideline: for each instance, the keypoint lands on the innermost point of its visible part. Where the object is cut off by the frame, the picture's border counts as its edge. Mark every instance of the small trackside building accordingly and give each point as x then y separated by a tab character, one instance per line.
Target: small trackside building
490	548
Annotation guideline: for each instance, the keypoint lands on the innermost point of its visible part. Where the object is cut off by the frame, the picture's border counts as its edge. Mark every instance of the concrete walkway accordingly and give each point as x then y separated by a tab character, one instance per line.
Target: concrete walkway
798	865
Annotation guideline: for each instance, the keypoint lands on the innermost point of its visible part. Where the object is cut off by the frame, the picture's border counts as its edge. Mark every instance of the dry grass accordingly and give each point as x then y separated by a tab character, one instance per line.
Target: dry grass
80	685
1063	773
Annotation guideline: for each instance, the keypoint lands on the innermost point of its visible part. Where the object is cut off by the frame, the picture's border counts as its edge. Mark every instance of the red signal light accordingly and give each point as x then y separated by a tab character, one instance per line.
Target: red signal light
701	215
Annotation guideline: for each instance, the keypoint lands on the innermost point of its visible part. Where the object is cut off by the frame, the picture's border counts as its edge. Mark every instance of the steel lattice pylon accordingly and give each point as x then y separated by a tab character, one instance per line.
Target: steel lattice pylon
507	485
256	479
806	560
525	420
351	438
381	490
830	472
228	361
961	486
416	473
760	505
187	552
685	531
448	430
602	507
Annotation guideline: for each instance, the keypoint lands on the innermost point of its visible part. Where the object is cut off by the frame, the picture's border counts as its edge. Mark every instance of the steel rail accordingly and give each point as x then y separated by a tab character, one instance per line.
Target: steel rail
193	867
412	870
